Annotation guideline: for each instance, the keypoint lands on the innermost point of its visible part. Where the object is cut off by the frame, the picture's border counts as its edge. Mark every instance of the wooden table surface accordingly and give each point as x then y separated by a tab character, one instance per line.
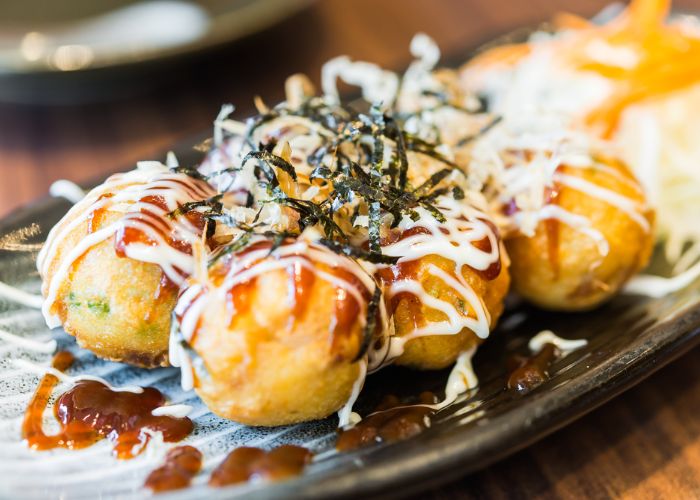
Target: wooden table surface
644	444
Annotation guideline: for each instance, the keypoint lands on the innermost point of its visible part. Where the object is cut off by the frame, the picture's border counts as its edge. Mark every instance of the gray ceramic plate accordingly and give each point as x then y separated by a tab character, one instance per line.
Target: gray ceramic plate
628	339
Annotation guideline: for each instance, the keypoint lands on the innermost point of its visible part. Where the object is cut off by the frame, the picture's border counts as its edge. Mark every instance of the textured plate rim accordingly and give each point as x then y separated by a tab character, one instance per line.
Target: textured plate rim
432	459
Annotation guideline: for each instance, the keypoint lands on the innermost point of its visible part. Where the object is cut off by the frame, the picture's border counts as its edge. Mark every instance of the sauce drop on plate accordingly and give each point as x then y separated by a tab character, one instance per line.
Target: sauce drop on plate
246	464
391	421
181	465
91	411
530	372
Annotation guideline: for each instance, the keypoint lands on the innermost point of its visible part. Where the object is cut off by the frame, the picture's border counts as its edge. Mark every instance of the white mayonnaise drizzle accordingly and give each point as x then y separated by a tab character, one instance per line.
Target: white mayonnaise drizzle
524	180
540	103
72	380
455	240
126	194
566	346
20	296
378	85
255	263
493	169
658	286
627	205
577	222
462	378
175	411
301	253
656	136
345	415
27	343
63	188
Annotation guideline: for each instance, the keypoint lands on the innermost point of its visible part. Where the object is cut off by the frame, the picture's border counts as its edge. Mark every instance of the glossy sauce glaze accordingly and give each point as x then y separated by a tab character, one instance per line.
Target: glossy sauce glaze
253	464
182	463
91	411
462	237
32	426
391	421
466	241
527	373
302	273
234	277
147	227
151	215
164	292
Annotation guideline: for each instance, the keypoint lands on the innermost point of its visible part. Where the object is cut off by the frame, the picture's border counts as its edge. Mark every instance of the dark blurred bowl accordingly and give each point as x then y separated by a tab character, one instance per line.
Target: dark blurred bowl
78	50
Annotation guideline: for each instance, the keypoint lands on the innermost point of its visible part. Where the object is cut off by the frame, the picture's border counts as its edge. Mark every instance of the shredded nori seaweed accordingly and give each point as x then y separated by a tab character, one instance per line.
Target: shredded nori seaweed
188	170
381	186
470	138
360	180
357	253
370	322
213	206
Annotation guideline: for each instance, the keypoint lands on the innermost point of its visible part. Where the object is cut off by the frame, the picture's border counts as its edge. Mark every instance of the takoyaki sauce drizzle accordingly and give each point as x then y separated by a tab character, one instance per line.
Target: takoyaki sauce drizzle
32	429
246	463
410	270
300	283
181	465
127	235
494	270
391	421
94	220
530	372
90	411
165	291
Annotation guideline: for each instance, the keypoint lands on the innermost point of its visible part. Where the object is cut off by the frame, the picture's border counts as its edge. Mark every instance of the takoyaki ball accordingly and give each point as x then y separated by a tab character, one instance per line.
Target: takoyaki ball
117	306
446	290
433	352
565	268
278	334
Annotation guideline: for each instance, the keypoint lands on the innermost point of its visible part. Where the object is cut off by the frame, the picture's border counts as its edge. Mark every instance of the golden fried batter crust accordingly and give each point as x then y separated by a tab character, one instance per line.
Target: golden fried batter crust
562	268
114	306
267	367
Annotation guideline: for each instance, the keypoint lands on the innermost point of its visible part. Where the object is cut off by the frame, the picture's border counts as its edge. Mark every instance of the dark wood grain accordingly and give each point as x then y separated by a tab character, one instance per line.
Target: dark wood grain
644	444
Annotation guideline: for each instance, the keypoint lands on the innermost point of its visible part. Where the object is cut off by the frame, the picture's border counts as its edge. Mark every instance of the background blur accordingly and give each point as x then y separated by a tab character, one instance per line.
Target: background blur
78	124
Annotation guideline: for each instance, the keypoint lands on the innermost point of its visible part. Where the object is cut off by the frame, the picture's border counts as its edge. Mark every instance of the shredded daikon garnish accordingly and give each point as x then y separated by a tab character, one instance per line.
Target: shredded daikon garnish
633	82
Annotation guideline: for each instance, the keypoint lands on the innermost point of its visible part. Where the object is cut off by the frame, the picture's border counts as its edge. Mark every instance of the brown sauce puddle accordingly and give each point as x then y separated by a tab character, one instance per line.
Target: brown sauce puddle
91	411
526	373
246	464
391	421
181	465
